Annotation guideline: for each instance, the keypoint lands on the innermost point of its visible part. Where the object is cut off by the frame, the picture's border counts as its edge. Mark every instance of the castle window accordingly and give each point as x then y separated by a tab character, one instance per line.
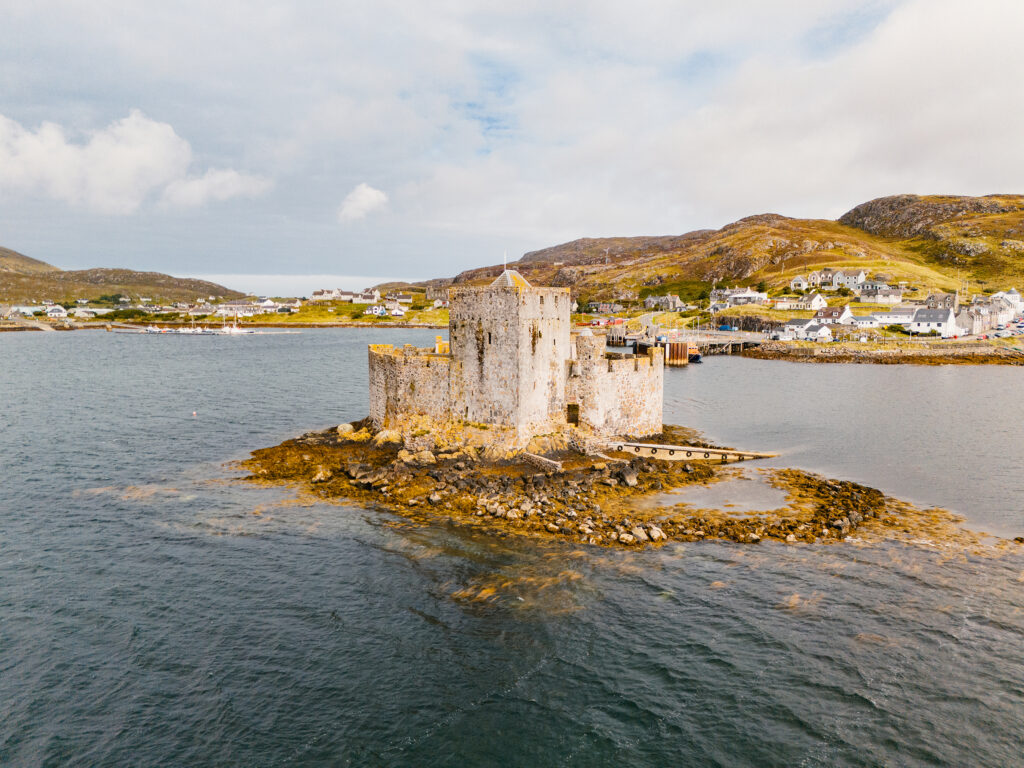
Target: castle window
542	301
488	337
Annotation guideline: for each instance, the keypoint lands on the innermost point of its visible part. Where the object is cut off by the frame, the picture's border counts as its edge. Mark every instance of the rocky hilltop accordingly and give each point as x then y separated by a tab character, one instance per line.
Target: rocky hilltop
24	279
927	241
906	216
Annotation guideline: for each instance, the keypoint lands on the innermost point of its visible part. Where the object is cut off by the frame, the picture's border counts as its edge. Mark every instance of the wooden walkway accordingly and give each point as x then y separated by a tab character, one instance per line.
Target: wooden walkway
682	452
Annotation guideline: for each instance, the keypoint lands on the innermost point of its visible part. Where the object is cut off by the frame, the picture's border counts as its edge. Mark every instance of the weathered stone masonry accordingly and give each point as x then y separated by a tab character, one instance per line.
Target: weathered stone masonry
514	363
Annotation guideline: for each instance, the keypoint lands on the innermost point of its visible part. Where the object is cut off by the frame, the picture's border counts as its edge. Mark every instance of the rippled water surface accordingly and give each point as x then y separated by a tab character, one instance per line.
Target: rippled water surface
153	611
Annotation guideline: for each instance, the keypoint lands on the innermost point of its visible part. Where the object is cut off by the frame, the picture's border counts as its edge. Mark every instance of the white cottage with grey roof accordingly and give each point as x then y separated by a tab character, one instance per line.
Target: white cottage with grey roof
942	321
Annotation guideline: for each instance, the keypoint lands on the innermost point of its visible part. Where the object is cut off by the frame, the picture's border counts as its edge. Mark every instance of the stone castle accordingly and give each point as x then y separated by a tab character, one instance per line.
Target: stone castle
512	365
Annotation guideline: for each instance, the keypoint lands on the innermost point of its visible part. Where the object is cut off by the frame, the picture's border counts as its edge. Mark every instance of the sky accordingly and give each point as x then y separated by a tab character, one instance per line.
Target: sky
295	143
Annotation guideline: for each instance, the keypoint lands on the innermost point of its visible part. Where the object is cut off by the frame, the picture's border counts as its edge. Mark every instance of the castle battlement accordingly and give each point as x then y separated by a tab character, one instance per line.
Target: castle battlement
511	361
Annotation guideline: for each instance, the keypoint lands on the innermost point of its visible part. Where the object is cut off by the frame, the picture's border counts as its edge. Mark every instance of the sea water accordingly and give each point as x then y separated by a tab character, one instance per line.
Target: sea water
156	611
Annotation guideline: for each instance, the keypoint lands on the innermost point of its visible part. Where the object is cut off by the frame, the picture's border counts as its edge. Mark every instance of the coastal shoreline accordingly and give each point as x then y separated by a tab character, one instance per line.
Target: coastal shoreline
975	353
611	500
963	354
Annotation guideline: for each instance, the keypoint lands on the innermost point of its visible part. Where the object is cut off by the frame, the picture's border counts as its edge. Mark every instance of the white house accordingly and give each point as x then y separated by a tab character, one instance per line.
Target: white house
56	311
819	278
873	285
834	315
896	316
1013	298
849	278
798	283
814	302
332	294
796	326
366	297
941	320
735	297
376	309
817	332
807	330
746	296
865	321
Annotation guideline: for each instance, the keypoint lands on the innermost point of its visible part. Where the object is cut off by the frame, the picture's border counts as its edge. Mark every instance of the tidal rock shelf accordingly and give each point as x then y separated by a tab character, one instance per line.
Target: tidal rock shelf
597	501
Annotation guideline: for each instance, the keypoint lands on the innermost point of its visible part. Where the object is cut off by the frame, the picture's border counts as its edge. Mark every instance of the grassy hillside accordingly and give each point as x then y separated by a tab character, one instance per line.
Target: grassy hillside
935	242
14	262
23	279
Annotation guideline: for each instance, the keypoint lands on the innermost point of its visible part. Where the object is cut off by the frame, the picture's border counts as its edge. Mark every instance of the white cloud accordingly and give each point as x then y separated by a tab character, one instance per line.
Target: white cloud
514	125
215	184
114	170
361	201
617	145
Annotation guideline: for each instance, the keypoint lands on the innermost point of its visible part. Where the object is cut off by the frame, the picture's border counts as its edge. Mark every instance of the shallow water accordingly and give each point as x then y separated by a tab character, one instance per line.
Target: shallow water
744	490
154	612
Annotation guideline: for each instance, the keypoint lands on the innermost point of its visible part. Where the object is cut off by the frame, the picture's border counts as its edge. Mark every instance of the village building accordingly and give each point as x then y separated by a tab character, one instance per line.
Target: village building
807	329
604	307
881	296
737	297
896	316
942	321
848	278
834	315
668	303
972	321
513	365
943	301
798	283
831	279
814	302
865	321
335	294
1013	298
787	302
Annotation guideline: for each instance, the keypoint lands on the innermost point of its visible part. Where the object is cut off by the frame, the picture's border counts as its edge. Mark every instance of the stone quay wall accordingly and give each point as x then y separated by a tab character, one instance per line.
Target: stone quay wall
405	382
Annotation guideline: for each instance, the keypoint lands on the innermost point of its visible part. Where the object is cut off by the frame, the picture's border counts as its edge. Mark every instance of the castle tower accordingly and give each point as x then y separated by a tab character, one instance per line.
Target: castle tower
509	345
